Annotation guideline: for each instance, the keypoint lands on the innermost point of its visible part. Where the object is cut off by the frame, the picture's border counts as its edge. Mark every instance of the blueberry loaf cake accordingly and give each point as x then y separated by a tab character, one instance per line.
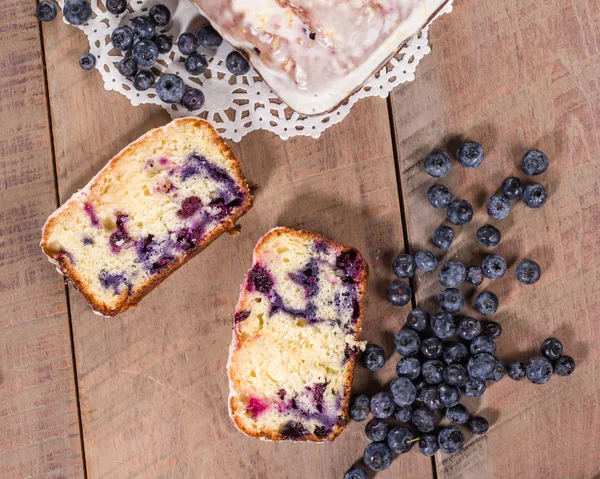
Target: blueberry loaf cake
159	202
295	336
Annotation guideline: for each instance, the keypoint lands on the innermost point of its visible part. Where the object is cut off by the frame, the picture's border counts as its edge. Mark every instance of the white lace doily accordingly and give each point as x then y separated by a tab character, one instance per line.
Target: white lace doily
235	106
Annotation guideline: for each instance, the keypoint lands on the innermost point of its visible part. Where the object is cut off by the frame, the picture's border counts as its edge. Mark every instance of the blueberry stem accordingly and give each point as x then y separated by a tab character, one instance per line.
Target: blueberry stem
413	440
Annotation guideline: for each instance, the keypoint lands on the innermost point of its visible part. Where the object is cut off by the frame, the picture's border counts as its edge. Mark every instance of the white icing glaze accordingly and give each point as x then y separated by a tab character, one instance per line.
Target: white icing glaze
352	40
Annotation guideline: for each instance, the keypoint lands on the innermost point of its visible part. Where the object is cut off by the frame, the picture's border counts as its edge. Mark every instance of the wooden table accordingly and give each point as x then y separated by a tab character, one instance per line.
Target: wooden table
144	394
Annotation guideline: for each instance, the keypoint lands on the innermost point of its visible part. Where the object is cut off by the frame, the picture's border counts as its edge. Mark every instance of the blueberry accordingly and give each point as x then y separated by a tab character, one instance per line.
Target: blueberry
478	425
356	473
512	188
418	319
407	342
454	353
494	266
399	293
437	163
160	14
187	43
116	7
193	99
143	27
451	440
360	407
432	347
483	344
122	38
452	274
377	429
403	413
449	394
164	43
209	37
486	303
535	195
492	330
442	325
428	444
443	236
409	367
424	419
143	80
538	370
498	372
382	405
564	366
87	61
481	366
400	440
46	11
425	261
474	388
196	64
456	375
236	64
516	370
497	207
474	275
460	212
489	236
170	88
377	456
433	371
470	154
421	388
404	266
431	398
373	357
457	414
534	163
451	300
77	12
552	348
403	391
145	53
439	196
528	272
128	67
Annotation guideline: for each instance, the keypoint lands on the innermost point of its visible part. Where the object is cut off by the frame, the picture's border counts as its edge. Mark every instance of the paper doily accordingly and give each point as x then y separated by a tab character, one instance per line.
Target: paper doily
235	106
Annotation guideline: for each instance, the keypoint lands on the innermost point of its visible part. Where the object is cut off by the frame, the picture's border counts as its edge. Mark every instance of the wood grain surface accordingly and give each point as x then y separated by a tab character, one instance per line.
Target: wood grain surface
38	409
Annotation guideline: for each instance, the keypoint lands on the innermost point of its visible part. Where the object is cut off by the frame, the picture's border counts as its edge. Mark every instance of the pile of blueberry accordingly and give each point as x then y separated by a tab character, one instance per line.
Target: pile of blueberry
437	369
141	46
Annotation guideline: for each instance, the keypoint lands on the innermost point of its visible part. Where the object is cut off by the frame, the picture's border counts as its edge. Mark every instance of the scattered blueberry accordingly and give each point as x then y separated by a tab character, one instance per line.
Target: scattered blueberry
77	12
403	413
187	43
528	272
474	388
116	7
494	266
454	353
377	456
164	43
552	348
478	425
564	366
432	347
424	419
143	27
431	398
418	319
87	61
145	53
451	440
451	300
481	366
449	394
456	375
377	429
457	414
209	37
193	99
428	444
460	212
127	67
356	473
534	163
498	207
170	88
122	38
438	163
360	407
538	370
399	293
425	260
469	328
433	371
535	195
404	266
492	330
407	342
470	154
160	14
439	196
442	325
237	64
474	275
452	274
498	372
409	367
400	440
486	303
483	344
403	391
489	236
382	405
516	370
196	64
443	236
143	80
512	188
373	357
46	11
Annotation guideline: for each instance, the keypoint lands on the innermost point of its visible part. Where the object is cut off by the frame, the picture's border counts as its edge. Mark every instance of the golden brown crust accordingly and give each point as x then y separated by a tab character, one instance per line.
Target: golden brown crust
127	301
236	340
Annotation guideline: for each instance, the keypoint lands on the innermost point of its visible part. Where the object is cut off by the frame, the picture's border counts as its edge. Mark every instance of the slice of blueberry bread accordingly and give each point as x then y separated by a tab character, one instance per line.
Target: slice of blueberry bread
158	203
295	336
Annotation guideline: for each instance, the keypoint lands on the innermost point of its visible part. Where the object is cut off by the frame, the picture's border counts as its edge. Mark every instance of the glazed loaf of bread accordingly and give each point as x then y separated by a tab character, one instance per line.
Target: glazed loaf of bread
296	333
316	53
155	205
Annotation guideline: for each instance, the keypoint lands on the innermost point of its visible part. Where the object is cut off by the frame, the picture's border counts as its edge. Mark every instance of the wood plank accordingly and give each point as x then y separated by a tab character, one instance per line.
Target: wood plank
514	76
38	408
152	381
